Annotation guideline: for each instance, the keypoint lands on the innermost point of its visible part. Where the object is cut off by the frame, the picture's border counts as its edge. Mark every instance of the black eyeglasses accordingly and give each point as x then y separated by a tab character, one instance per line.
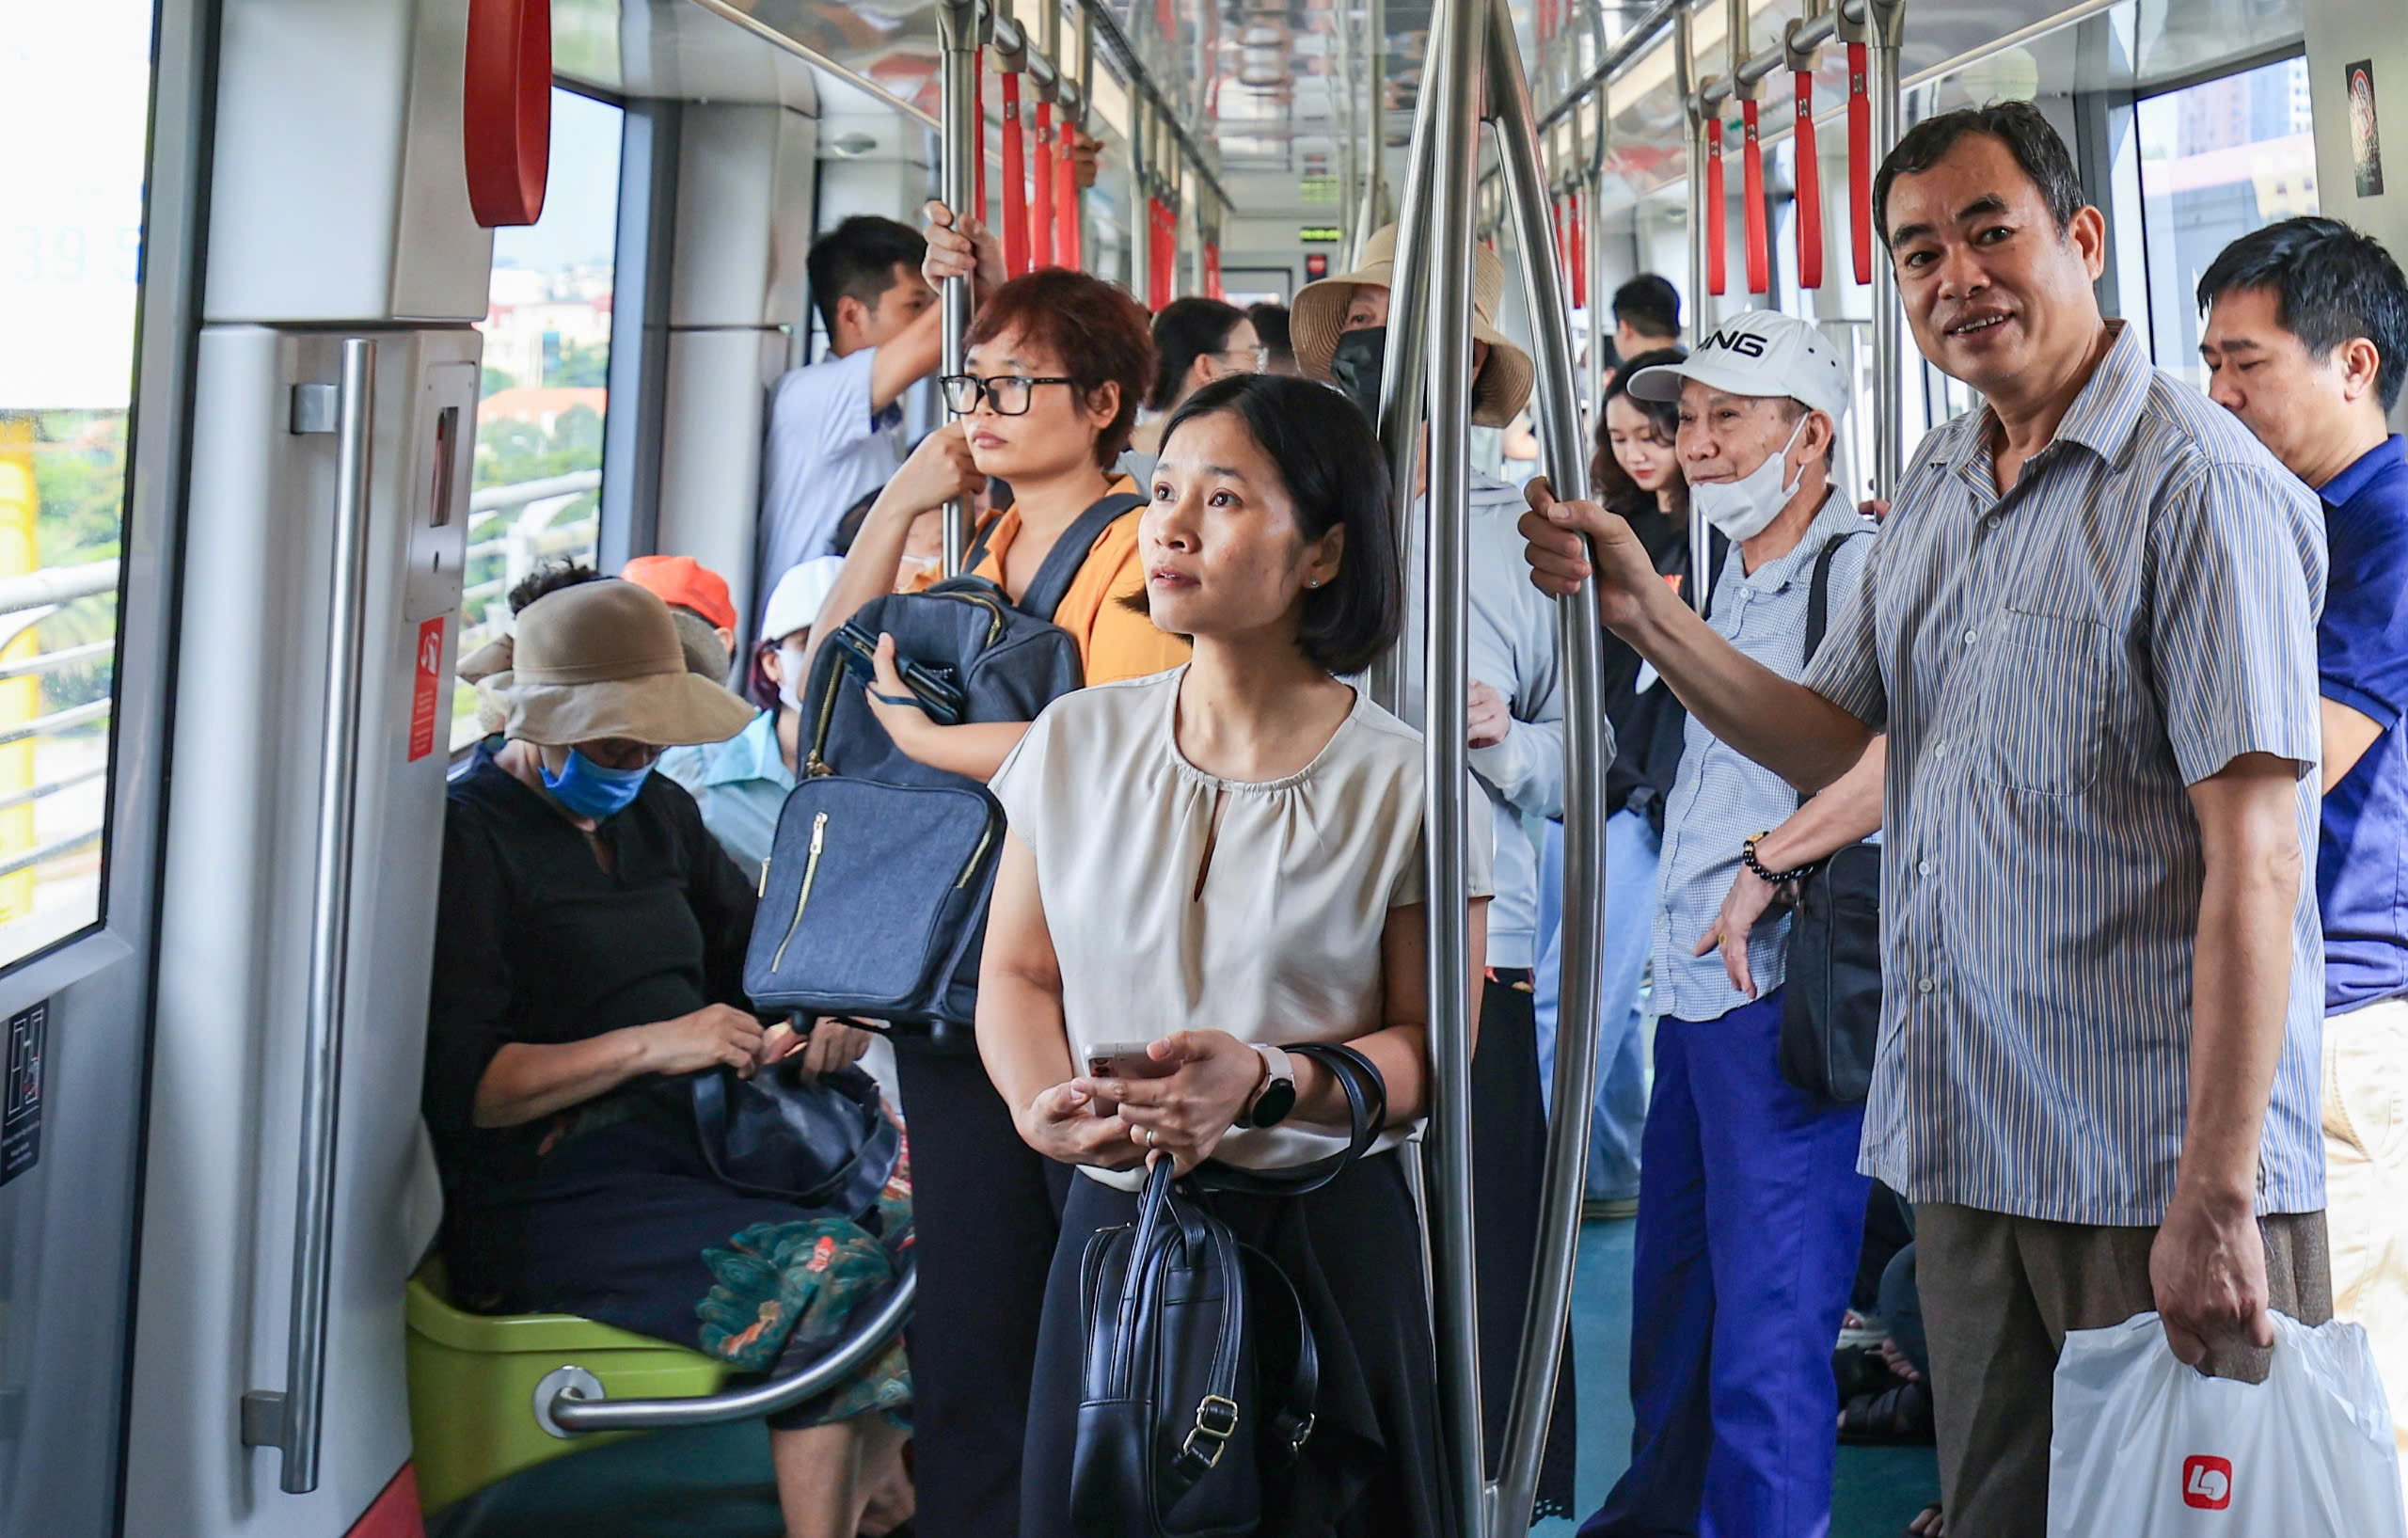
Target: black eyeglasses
1008	393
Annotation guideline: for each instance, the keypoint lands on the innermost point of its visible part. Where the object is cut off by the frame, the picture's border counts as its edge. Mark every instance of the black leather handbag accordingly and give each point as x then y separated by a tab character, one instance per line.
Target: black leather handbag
1831	1009
824	1143
1200	1370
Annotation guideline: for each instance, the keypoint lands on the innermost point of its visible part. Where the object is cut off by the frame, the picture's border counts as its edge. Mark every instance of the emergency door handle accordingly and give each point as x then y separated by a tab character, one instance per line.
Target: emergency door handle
292	1419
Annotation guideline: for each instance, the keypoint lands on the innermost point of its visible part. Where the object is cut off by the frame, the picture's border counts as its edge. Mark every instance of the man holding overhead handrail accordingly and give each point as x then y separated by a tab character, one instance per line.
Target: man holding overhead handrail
2089	631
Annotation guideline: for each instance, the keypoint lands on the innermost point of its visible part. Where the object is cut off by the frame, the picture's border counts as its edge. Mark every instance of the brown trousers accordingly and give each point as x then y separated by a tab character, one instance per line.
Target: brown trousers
1999	1294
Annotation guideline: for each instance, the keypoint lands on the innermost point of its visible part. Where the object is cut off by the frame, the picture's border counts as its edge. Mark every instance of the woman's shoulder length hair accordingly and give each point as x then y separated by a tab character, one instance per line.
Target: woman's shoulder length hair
1335	478
1094	329
1615	489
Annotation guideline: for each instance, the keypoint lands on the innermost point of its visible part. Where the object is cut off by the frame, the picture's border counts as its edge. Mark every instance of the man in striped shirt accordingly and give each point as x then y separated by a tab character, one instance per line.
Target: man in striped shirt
2088	627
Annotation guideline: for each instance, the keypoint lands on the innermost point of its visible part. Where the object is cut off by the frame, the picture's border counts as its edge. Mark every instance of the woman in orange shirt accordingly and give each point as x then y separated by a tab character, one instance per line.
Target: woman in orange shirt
1055	365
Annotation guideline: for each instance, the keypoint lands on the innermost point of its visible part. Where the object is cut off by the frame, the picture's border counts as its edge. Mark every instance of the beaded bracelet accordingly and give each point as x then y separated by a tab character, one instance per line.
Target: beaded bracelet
1771	878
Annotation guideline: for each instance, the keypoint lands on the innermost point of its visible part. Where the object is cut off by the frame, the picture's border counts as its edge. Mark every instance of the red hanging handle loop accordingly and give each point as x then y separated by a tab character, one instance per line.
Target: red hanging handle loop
1716	237
1015	179
1579	252
1860	164
1752	184
1810	188
978	115
1212	270
1040	202
1066	188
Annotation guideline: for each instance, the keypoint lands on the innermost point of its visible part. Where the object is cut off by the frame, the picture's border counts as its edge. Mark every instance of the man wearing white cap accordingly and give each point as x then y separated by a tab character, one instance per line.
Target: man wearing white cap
1750	1209
1338	329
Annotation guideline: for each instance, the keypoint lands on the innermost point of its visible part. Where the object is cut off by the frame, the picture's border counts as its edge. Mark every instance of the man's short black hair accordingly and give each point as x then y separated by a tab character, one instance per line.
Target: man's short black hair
1271	329
2028	136
1650	306
547	577
857	261
1330	463
2331	285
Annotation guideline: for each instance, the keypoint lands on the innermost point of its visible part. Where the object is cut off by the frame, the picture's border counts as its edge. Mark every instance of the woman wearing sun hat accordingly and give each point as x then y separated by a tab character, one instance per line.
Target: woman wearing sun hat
1338	327
589	958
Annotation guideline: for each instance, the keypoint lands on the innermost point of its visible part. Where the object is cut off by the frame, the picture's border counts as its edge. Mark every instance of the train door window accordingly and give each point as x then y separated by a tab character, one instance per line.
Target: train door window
546	366
76	78
2218	160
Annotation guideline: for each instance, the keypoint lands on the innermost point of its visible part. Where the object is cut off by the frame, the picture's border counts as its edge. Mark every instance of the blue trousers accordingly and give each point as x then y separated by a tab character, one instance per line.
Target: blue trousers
1631	853
1751	1213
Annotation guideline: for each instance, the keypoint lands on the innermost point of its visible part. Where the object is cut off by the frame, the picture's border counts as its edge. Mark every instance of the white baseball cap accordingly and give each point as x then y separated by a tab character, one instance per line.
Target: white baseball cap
796	601
1757	352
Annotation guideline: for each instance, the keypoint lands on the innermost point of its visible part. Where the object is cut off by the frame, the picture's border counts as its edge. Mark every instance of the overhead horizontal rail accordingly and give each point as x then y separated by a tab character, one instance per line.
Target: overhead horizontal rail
1646	31
1107	31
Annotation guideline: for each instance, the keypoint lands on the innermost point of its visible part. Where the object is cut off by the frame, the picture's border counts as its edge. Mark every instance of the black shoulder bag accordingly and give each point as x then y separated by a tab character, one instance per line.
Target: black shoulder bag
1831	1011
1200	1368
824	1143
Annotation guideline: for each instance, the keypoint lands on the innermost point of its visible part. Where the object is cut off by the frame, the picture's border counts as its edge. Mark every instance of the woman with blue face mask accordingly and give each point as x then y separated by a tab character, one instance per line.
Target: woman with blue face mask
587	961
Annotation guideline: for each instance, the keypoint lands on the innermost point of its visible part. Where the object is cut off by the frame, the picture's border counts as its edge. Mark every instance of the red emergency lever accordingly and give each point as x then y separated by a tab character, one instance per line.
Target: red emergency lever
1579	253
1810	189
1015	180
1040	202
1065	213
1752	184
1860	164
1715	237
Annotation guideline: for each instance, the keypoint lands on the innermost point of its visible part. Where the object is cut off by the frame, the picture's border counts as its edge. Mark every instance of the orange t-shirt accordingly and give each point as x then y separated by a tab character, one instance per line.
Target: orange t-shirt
1114	643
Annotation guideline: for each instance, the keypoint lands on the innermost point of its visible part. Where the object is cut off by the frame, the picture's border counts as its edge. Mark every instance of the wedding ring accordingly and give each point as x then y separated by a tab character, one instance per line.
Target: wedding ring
1151	1138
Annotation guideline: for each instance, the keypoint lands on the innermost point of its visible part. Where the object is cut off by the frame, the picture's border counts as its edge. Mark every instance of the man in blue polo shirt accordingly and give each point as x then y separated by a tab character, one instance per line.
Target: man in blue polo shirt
834	424
2307	342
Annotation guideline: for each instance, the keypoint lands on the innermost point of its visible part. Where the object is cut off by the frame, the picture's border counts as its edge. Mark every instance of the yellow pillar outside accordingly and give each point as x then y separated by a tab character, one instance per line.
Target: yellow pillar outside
20	698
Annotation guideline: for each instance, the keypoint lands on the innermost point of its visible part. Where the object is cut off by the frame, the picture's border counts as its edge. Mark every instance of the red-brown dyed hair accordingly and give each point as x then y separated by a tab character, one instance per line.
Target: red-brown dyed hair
1095	328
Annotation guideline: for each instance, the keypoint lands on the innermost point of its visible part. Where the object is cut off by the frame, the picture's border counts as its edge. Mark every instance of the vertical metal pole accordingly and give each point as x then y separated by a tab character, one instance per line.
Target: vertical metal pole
959	149
1581	637
1372	214
1456	31
1141	212
1599	301
1086	113
1700	578
1888	18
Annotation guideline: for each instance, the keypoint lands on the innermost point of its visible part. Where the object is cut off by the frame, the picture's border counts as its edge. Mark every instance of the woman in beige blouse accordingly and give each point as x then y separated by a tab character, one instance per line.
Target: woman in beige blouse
1219	860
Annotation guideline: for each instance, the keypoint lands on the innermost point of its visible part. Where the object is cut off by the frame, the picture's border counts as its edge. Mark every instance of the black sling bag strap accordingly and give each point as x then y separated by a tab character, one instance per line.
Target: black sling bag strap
1060	567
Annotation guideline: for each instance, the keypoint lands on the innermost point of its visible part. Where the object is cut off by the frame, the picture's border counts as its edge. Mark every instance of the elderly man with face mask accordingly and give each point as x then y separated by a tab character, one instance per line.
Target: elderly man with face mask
1750	1207
2088	629
1338	327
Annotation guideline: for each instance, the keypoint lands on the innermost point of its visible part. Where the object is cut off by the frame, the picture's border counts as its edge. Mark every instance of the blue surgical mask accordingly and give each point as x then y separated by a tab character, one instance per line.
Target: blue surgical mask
587	790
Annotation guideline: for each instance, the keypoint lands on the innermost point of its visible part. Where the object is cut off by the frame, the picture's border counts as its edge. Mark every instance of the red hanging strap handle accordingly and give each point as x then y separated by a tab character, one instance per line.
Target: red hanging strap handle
1860	164
1065	198
1751	185
1810	189
1212	270
1040	202
1715	238
1015	180
1579	252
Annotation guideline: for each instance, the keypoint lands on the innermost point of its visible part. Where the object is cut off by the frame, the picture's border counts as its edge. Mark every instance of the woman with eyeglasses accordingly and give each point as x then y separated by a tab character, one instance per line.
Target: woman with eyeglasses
1196	341
1055	365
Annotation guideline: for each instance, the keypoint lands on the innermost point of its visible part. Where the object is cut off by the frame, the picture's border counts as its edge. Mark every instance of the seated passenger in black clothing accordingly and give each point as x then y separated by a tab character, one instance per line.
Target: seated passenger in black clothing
589	958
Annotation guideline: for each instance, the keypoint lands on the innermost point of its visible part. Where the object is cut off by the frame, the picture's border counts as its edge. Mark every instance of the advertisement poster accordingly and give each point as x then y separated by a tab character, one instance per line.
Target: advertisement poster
2366	145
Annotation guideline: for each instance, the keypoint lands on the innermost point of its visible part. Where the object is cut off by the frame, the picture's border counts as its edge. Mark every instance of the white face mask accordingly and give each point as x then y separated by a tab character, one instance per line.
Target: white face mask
790	675
1742	509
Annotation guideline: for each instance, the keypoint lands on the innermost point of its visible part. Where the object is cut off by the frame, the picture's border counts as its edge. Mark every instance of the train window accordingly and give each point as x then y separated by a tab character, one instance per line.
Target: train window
546	366
70	260
2218	159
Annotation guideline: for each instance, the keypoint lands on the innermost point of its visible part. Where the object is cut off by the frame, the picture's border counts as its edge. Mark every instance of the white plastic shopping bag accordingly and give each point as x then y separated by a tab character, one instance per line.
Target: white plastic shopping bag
2147	1448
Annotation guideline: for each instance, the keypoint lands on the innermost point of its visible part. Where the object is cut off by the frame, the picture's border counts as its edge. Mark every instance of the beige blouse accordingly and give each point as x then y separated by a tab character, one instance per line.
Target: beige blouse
1278	940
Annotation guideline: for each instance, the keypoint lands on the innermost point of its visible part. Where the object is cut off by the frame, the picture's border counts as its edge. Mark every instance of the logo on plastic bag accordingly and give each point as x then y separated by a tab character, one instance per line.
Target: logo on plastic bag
2206	1483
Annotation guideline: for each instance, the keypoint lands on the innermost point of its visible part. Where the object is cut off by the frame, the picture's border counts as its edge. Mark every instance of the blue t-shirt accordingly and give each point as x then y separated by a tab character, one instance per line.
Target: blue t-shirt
2362	662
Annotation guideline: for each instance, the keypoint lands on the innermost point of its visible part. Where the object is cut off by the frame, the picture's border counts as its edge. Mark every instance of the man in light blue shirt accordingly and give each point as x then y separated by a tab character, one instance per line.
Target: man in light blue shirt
835	425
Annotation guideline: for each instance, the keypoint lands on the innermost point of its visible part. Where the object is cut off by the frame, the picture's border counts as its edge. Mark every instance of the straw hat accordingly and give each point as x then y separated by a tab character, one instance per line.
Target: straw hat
1318	316
603	659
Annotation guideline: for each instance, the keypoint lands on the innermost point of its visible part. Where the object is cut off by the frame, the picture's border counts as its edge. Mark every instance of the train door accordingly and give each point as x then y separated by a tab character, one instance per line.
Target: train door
97	223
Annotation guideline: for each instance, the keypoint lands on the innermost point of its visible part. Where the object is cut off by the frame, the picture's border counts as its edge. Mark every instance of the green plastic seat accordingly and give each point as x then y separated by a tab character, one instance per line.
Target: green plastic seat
473	1377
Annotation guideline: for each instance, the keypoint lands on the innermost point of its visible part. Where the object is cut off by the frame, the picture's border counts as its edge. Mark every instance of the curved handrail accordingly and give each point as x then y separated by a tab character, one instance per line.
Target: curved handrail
578	1416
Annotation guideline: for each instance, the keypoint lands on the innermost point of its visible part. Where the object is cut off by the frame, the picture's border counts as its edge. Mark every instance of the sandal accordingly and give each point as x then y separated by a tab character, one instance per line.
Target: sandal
1898	1414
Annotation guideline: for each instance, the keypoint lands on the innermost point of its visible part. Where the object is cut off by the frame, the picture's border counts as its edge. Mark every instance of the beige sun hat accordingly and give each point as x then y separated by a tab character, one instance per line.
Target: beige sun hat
603	659
1317	317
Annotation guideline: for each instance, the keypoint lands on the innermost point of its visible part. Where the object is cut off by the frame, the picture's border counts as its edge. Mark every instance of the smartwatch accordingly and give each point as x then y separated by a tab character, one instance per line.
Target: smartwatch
1277	1096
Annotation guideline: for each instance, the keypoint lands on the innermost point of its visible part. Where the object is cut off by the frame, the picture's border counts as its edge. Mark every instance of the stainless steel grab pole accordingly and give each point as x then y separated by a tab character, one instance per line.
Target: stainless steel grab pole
578	1416
1456	31
294	1421
1582	636
1701	579
1888	18
960	143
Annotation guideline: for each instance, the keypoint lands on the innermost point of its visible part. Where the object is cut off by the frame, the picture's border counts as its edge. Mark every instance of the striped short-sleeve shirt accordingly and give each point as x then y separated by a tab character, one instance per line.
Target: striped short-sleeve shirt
2055	666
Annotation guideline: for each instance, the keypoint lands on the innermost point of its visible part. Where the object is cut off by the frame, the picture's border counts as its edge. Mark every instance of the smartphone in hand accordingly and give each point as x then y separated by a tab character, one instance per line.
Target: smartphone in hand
1123	1060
